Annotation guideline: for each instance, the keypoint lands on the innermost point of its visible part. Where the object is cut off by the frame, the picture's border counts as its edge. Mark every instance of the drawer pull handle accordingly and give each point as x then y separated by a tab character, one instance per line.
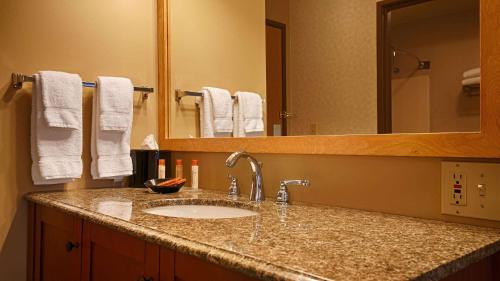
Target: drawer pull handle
70	246
142	278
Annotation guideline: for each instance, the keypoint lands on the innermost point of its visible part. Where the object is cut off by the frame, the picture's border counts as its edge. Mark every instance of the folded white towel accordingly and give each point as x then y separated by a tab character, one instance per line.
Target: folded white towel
248	115
55	151
115	108
475	72
110	149
216	113
471	81
62	99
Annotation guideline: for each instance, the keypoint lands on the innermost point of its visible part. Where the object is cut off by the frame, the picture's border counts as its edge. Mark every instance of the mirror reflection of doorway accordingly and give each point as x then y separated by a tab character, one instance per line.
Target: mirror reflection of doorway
428	66
276	78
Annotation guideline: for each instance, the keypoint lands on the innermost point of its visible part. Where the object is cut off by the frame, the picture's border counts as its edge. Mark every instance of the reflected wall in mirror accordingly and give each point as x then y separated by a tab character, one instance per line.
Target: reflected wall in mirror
324	67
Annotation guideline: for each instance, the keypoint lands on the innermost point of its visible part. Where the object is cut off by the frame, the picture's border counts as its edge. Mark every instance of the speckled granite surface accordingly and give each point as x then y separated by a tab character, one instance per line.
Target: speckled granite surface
299	242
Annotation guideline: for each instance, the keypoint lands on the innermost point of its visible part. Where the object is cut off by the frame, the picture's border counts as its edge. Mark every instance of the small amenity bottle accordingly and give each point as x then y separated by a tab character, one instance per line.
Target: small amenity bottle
179	171
194	174
161	168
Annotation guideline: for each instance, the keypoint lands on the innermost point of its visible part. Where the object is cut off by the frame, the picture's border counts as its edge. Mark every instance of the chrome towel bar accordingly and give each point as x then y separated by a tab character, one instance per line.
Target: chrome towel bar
18	80
179	94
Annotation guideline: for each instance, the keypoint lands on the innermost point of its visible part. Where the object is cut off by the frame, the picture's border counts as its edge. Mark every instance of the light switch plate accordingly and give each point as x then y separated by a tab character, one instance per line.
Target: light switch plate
471	189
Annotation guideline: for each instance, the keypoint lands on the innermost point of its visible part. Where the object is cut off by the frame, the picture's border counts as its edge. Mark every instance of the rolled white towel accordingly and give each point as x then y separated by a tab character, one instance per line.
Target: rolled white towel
471	73
471	81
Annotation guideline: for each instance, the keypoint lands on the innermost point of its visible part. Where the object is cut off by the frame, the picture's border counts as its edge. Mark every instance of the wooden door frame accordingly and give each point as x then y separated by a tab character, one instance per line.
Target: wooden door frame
384	65
284	92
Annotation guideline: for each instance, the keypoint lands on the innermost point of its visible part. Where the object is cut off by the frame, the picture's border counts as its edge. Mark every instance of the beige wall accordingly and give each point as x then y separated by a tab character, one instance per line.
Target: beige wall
333	67
218	43
397	185
86	37
451	43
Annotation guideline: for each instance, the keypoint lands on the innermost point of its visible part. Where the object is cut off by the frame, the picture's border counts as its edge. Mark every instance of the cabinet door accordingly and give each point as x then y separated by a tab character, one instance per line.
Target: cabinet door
167	265
109	255
487	269
57	250
189	268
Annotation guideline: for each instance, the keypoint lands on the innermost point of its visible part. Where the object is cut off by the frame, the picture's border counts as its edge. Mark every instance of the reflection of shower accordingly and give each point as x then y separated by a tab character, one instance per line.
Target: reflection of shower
422	64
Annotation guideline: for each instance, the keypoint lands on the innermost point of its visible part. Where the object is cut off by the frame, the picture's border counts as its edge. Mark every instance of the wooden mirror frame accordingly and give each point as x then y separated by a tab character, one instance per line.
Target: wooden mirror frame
483	144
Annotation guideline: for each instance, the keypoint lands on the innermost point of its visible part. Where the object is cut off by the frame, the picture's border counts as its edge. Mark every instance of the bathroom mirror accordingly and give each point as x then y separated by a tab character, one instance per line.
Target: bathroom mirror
360	77
315	64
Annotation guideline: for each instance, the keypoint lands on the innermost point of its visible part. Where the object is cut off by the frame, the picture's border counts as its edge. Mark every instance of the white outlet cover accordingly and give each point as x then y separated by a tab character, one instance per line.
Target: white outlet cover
482	189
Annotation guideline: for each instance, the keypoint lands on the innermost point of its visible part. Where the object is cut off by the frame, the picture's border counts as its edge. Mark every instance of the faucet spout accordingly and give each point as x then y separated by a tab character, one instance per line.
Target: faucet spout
257	192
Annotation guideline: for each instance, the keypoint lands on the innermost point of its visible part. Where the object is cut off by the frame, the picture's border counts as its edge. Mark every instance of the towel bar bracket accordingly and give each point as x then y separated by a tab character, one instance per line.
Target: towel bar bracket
179	94
19	79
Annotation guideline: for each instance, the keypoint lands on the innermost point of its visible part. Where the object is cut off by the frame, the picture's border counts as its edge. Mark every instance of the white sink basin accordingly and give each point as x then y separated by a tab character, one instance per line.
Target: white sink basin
200	212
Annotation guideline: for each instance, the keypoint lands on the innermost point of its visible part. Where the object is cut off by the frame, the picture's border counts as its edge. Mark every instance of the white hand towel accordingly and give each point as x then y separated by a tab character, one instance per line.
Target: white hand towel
248	115
471	73
216	113
115	108
471	81
55	151
61	99
110	149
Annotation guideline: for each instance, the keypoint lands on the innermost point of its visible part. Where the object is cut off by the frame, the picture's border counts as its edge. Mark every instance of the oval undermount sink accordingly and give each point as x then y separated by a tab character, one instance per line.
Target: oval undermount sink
200	212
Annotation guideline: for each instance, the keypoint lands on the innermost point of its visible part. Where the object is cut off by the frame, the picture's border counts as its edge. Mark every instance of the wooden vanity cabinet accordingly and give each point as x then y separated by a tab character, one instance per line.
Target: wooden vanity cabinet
66	248
55	245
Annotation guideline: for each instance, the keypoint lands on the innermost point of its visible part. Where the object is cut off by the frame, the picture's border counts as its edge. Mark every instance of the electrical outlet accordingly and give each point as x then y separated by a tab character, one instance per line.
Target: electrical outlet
458	184
471	189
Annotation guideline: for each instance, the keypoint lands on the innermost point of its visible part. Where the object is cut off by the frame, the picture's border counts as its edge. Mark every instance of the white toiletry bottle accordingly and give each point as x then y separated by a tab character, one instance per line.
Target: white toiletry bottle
179	171
194	174
161	168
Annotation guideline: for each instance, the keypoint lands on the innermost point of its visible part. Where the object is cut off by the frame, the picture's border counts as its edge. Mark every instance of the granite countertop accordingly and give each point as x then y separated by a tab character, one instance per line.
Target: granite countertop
298	242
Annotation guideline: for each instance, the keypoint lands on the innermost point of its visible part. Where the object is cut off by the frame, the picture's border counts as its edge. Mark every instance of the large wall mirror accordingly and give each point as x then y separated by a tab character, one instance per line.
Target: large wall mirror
315	64
400	68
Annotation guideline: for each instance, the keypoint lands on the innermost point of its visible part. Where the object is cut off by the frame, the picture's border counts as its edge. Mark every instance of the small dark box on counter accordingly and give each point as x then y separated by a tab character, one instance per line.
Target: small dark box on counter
145	164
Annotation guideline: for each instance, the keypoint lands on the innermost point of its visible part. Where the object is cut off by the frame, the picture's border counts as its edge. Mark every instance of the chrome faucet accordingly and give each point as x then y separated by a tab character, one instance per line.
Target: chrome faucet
257	191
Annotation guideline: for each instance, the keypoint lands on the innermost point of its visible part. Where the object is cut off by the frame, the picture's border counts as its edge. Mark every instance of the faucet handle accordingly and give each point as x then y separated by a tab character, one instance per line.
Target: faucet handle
305	183
282	197
233	187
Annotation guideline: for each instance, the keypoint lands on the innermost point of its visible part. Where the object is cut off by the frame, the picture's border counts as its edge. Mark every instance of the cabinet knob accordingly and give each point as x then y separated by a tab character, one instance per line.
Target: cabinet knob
142	278
70	246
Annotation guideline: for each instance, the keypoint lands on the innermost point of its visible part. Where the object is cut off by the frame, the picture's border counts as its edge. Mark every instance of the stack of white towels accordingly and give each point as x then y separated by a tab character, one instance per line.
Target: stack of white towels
56	128
472	77
221	116
112	116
